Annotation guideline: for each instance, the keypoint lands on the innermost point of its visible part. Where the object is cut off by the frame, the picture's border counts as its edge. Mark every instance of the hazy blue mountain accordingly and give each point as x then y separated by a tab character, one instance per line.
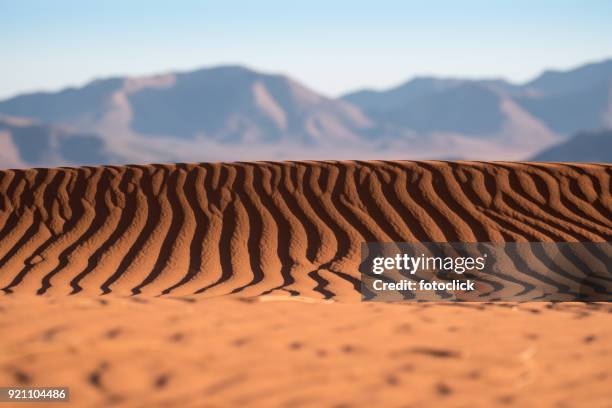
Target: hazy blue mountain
26	143
429	105
570	101
563	101
229	104
396	98
567	113
593	146
66	106
575	80
466	108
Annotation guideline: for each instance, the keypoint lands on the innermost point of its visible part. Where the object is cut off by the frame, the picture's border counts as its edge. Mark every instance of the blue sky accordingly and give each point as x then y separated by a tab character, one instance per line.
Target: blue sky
332	46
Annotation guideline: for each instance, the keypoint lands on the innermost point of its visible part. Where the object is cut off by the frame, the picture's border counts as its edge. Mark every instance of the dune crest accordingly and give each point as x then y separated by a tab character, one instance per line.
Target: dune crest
266	228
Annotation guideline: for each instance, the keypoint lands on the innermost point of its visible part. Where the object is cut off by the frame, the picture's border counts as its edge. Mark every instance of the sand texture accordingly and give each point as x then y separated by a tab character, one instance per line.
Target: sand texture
238	285
171	352
253	229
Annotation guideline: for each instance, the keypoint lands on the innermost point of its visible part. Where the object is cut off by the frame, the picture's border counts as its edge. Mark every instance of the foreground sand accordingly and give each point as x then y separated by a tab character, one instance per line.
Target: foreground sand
270	351
237	285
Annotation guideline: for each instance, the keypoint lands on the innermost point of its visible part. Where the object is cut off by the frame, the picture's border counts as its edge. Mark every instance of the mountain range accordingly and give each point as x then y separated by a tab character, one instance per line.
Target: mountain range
593	146
235	113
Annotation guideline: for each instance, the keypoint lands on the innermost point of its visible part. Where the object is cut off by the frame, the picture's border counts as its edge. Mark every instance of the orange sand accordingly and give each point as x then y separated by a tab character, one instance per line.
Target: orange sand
143	272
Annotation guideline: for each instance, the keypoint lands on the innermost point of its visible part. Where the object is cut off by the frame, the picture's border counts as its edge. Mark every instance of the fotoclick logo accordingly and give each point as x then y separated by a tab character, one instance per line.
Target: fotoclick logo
486	271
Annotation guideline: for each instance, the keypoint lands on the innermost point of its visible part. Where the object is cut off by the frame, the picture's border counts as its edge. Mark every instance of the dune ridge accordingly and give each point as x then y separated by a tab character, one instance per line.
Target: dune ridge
267	227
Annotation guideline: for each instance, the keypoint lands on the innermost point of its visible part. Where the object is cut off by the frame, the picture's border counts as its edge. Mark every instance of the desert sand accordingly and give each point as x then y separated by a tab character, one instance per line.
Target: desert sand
237	285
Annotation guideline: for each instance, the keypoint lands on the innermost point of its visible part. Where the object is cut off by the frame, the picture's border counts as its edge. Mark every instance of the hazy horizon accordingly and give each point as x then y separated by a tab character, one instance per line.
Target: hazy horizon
333	49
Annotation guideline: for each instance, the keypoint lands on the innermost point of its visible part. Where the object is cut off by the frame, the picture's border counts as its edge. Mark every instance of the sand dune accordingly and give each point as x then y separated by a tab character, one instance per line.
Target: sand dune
253	229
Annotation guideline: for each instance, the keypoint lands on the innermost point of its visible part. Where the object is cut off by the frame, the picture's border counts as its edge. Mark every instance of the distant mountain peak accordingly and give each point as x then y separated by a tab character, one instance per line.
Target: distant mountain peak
554	81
